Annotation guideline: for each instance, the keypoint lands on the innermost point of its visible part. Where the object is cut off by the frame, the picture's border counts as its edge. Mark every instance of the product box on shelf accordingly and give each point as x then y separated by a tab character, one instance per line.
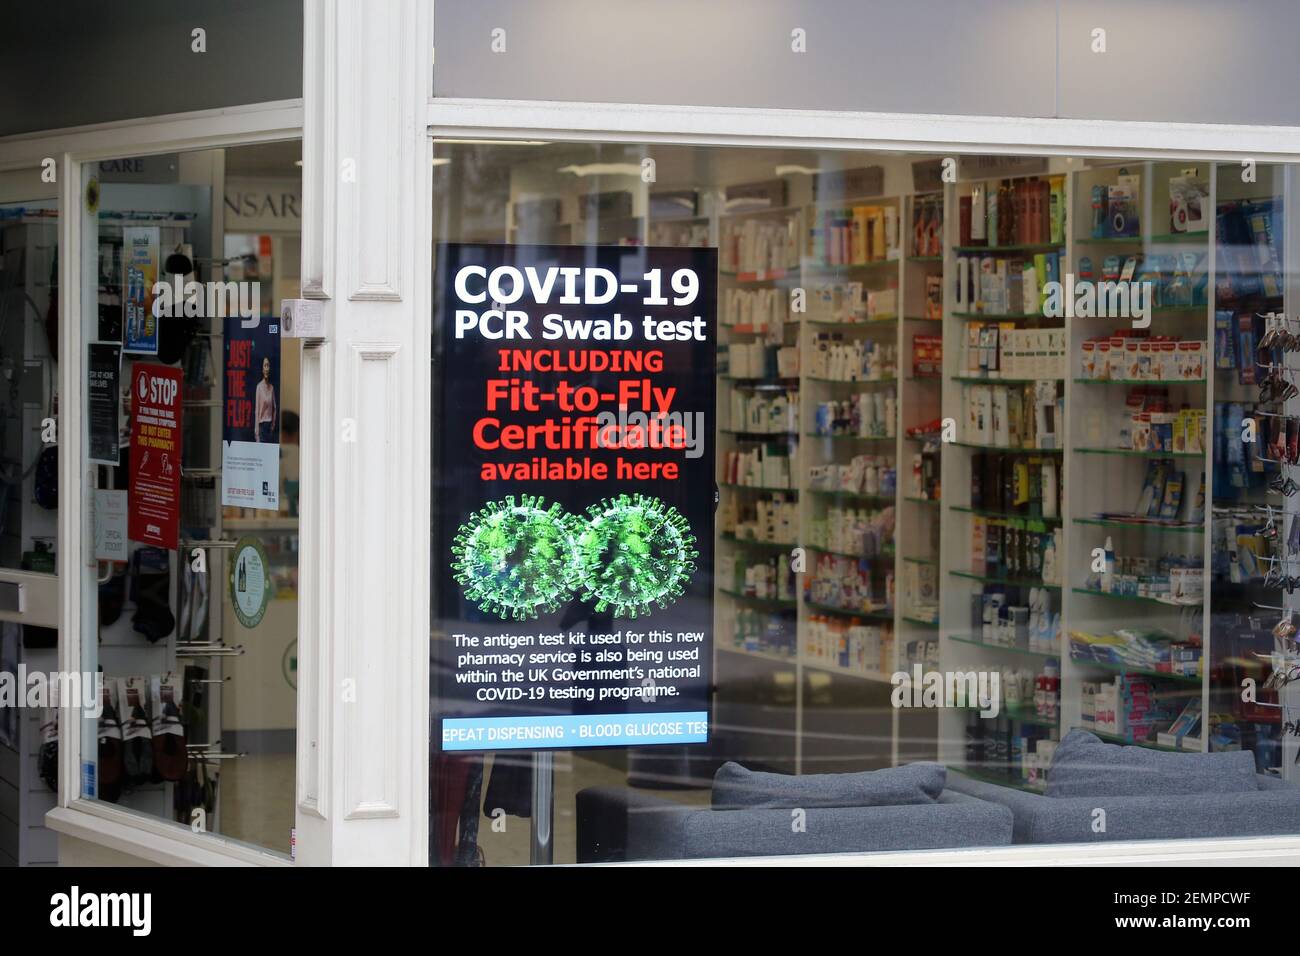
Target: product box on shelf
759	247
882	304
764	412
927	226
927	356
855	235
1189	202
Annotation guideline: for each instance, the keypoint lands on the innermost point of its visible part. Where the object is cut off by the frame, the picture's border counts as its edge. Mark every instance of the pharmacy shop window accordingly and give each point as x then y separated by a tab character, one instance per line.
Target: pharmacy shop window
189	431
29	501
29	302
800	502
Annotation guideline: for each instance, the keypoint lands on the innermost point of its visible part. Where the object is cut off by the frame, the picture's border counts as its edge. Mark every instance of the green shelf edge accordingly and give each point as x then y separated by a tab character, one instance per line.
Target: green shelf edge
976	642
1019	716
1029	247
853	495
1191	238
981	380
982	513
1009	582
850	381
851	437
884	614
1133	597
1139	381
851	323
1008	317
1131	453
755	543
1018	451
1125	669
856	557
1151	526
782	603
874	264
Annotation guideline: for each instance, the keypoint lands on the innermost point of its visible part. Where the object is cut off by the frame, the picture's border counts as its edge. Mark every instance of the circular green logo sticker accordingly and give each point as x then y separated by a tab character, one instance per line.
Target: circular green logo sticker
289	664
250	586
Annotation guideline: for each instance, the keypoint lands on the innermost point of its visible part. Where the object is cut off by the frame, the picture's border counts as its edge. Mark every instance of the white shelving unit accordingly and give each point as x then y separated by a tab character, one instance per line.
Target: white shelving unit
914	518
1098	477
810	705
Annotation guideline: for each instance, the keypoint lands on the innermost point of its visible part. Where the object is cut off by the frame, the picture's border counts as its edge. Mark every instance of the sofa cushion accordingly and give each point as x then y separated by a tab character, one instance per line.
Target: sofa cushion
734	787
1084	765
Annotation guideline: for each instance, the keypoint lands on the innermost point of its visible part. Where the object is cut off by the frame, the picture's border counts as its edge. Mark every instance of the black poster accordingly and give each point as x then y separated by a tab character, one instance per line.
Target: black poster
103	399
574	495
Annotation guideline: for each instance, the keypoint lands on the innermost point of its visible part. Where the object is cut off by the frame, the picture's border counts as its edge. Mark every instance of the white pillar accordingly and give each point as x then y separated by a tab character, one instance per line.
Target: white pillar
363	628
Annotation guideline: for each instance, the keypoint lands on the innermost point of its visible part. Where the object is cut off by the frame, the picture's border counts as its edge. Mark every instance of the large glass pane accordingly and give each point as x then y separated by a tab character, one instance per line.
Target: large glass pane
191	428
998	503
29	448
29	302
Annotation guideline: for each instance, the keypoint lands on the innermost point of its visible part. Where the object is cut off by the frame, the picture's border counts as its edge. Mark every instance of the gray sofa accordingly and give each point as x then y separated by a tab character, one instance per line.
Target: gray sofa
1145	795
620	823
1039	818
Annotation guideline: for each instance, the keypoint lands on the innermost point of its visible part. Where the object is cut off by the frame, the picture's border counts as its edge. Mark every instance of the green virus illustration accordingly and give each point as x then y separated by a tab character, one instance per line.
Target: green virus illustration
516	559
634	551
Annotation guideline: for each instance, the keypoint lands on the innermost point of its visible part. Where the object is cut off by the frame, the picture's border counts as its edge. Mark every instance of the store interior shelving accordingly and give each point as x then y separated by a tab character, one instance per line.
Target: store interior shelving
1110	505
1011	458
1004	395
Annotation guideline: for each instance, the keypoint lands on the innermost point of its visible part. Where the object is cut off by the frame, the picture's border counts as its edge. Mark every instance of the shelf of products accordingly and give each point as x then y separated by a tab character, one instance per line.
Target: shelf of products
905	441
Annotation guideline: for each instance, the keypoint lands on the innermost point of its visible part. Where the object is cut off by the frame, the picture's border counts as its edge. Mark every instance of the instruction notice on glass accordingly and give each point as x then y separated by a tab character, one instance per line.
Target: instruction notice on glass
154	502
103	400
573	540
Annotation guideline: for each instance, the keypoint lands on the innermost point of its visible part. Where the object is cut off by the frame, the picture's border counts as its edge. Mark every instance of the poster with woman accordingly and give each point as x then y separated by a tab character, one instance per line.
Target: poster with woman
250	435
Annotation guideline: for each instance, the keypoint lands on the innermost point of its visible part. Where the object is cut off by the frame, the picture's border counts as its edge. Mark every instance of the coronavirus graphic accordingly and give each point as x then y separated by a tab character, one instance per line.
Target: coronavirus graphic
517	559
634	551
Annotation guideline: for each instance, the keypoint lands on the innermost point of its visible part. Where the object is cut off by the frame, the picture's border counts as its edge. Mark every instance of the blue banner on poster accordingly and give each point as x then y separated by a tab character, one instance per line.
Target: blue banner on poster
250	433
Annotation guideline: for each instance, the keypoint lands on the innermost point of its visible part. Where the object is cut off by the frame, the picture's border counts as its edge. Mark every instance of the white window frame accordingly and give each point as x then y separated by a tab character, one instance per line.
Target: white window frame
160	841
463	118
139	835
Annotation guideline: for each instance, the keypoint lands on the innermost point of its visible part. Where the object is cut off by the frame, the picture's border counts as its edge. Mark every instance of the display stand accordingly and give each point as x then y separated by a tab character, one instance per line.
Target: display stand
541	826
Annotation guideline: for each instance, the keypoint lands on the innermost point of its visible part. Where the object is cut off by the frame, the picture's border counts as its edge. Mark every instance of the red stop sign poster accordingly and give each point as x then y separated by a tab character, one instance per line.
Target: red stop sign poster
154	504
